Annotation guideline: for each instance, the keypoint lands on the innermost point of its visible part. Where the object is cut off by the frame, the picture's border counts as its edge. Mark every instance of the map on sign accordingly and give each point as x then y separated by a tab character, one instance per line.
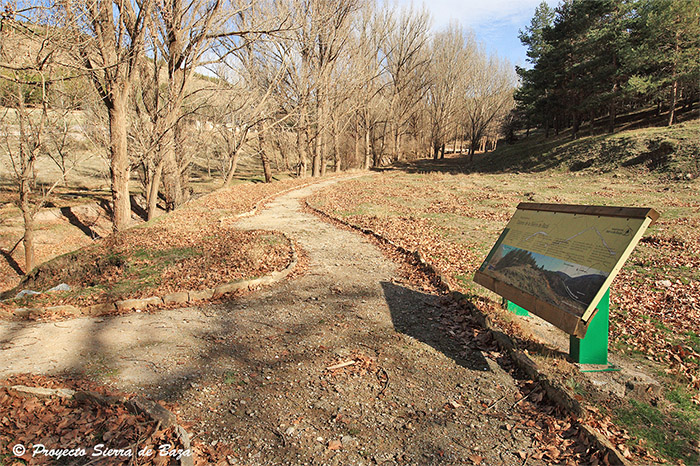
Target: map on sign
564	259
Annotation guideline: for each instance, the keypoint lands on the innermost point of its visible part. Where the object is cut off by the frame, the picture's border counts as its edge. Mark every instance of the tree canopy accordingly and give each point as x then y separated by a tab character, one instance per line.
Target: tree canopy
597	58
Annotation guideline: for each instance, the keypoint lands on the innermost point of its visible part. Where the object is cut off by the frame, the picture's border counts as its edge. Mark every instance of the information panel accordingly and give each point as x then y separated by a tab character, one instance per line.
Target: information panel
557	261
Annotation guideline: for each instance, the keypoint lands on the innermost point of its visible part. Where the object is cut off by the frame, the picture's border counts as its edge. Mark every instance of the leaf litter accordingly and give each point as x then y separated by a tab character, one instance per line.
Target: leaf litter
412	214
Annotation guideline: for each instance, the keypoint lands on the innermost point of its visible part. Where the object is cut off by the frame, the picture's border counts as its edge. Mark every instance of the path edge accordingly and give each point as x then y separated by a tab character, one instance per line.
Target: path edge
154	302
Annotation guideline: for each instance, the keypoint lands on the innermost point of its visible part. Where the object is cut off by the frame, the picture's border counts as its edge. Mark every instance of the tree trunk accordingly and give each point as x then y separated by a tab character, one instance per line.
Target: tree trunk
285	156
172	181
674	102
208	164
28	216
472	148
152	200
324	154
316	160
397	143
454	141
267	169
172	187
302	139
336	149
674	88
368	149
358	151
119	165
231	168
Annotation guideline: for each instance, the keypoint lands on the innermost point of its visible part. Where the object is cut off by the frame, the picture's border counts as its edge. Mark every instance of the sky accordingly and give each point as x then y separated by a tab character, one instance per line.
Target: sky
495	22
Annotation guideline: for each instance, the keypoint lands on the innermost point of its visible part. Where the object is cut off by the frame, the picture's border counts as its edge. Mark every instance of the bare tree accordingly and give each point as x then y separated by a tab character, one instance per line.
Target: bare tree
407	63
309	56
449	60
372	28
28	118
489	98
107	40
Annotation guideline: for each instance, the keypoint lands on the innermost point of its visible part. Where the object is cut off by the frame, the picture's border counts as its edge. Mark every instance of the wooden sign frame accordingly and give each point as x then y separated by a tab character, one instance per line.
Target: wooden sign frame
573	323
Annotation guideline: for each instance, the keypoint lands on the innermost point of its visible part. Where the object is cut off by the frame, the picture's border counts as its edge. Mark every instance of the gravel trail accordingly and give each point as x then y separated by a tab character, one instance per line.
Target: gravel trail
252	372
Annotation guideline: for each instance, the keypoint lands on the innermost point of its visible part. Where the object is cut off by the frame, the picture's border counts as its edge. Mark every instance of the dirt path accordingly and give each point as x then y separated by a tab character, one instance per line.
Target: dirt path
252	372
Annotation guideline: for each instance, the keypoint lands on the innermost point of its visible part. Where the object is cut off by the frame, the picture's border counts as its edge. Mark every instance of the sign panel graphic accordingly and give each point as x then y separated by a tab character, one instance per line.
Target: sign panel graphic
557	261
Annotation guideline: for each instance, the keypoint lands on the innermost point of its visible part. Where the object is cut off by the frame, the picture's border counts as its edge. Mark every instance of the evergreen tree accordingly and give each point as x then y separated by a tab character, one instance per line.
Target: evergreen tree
532	94
669	39
592	58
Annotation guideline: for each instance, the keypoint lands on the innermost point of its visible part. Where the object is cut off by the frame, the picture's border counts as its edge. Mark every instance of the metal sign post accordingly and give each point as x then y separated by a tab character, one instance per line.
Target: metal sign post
593	348
515	309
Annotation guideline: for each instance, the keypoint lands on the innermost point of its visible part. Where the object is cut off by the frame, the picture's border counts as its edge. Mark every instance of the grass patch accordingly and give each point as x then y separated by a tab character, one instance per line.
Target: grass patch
159	258
453	213
669	433
232	378
693	340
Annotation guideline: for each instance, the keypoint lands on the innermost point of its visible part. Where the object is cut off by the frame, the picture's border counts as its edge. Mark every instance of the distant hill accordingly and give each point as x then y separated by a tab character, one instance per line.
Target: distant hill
582	288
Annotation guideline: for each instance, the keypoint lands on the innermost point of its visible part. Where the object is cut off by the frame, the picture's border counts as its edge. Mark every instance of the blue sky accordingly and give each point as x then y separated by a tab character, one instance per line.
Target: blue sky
495	22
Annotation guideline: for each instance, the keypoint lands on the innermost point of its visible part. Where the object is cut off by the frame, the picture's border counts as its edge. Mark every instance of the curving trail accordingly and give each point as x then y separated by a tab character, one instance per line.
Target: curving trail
251	372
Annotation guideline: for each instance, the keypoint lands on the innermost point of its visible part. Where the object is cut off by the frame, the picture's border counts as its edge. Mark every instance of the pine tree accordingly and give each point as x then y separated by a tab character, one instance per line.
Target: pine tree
532	94
669	40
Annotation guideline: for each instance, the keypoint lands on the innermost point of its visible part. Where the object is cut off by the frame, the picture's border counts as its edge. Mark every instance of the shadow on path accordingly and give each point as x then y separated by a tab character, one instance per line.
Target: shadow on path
422	323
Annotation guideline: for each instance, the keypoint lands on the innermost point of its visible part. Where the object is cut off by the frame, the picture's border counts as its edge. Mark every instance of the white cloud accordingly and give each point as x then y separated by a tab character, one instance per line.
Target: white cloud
478	14
495	22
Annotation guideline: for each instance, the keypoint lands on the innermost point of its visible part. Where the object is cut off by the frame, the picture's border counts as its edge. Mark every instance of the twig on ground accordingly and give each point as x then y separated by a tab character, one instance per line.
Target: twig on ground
386	381
155	368
341	365
524	397
495	403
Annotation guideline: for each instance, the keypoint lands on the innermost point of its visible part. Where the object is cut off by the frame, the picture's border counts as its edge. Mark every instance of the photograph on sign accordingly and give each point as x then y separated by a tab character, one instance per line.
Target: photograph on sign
564	284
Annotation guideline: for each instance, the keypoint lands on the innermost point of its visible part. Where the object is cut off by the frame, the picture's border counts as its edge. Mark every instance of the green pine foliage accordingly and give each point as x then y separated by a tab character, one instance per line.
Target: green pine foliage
591	59
515	258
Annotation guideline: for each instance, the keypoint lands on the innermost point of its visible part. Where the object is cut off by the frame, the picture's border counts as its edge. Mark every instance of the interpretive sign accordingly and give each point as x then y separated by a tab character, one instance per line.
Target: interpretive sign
557	261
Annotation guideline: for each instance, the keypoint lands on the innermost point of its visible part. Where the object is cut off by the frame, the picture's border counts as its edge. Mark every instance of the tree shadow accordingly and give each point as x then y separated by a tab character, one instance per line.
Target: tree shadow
422	323
76	222
106	205
137	209
12	262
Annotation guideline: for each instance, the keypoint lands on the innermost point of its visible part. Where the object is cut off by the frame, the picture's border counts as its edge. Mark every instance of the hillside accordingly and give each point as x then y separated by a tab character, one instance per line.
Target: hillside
668	151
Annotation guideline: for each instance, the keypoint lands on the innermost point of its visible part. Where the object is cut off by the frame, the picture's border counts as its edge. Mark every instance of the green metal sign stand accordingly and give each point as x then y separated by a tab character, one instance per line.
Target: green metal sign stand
515	309
593	348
